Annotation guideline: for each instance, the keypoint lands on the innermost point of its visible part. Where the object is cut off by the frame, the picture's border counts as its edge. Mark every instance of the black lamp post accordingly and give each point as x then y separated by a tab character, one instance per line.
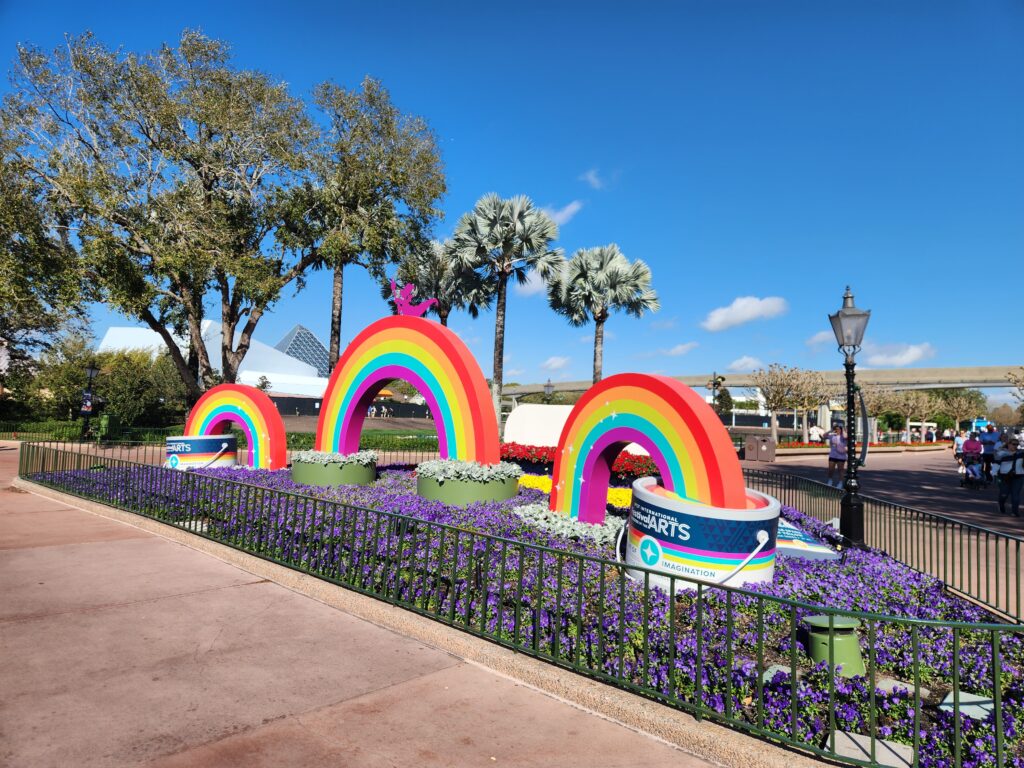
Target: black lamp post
849	324
714	385
87	401
548	389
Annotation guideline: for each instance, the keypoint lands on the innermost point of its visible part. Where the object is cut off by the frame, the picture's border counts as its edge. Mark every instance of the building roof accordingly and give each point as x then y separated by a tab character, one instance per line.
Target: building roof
303	345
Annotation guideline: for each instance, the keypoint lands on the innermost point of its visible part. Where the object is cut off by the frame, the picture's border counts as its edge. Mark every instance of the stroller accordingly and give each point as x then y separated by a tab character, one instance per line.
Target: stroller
972	476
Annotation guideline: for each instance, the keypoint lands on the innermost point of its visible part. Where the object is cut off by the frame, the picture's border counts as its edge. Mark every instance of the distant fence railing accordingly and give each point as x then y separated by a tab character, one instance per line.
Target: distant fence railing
727	654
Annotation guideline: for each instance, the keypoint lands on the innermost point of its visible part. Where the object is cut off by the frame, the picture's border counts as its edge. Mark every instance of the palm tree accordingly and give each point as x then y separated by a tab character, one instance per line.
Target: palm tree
437	276
596	282
502	239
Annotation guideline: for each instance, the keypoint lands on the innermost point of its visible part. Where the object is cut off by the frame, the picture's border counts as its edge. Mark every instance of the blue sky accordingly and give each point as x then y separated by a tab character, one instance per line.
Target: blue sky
758	156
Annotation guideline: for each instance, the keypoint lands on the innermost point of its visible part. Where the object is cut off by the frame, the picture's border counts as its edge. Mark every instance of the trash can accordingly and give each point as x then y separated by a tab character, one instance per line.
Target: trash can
844	640
750	449
765	449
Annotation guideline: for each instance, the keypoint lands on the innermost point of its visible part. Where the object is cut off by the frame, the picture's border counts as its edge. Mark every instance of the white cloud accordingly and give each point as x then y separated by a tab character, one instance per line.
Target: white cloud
821	337
676	351
680	349
664	325
513	372
592	178
744	310
555	363
745	363
897	355
534	284
562	216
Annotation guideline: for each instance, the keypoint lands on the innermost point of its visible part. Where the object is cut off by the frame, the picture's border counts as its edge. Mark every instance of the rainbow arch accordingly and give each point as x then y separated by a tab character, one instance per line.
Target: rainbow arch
685	437
253	412
437	363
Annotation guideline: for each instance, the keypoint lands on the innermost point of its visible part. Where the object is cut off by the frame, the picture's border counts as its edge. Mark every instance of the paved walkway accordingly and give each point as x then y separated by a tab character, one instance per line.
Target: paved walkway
925	480
121	648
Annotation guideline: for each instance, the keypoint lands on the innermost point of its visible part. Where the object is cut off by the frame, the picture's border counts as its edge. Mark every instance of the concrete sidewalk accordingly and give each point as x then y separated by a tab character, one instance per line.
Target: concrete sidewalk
121	647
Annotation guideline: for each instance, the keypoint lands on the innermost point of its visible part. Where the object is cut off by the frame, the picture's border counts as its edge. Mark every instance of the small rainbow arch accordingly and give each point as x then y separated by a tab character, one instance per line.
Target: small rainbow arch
441	368
685	437
253	412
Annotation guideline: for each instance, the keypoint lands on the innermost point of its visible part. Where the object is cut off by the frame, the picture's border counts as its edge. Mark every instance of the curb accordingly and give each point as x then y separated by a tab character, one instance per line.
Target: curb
706	740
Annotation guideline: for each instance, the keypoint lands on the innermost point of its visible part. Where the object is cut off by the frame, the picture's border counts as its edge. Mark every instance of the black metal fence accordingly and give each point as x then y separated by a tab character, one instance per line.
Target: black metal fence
732	655
975	562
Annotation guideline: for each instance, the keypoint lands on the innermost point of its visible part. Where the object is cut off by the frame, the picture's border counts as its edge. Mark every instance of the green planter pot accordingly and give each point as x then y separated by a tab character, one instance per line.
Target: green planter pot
333	474
461	492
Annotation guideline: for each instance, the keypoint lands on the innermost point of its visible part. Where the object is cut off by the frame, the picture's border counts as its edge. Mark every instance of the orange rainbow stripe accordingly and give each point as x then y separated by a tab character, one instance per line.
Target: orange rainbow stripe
441	368
250	409
685	437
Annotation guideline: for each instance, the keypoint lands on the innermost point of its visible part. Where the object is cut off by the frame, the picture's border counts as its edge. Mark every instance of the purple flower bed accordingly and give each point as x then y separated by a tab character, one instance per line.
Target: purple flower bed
534	593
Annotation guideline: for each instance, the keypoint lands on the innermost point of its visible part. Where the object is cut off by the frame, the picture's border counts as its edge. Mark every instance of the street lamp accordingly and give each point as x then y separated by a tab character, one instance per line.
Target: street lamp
86	410
714	385
548	389
849	324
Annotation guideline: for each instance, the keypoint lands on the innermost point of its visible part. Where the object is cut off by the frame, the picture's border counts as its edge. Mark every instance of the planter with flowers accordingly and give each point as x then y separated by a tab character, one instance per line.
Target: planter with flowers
458	483
333	469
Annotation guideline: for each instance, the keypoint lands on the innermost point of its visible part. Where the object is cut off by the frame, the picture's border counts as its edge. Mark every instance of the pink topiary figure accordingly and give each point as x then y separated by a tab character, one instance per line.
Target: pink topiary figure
403	300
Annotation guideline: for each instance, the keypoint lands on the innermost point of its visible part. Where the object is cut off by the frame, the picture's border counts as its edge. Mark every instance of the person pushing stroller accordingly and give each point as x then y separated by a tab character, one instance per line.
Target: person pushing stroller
972	453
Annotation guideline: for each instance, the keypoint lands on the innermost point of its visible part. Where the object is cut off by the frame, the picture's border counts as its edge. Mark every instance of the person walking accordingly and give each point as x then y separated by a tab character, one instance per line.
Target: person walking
989	439
1008	465
836	455
958	450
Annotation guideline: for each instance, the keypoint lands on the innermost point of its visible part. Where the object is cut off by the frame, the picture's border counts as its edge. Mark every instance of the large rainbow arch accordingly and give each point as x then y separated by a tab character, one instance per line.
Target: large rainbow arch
250	409
437	363
685	437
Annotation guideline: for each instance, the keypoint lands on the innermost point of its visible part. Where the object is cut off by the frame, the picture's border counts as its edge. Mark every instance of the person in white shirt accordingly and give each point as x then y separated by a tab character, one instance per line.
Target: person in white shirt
1008	465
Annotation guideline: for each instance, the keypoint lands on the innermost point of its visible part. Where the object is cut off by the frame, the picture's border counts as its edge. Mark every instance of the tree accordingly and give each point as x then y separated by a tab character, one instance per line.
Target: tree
810	391
176	168
171	403
500	240
724	403
1005	415
596	282
960	404
41	278
912	405
379	179
437	276
125	393
1016	379
778	386
56	390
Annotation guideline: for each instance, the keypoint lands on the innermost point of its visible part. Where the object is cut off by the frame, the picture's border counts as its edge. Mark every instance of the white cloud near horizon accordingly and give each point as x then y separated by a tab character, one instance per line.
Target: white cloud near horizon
534	284
744	309
745	363
562	216
592	178
513	372
897	355
555	363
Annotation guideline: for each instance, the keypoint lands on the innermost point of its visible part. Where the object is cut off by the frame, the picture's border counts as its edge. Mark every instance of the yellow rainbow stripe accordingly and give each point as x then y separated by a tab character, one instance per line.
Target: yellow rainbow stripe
431	358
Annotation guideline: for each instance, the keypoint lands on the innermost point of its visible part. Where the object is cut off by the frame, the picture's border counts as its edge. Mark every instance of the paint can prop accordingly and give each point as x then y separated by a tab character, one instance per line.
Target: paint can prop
681	538
188	452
